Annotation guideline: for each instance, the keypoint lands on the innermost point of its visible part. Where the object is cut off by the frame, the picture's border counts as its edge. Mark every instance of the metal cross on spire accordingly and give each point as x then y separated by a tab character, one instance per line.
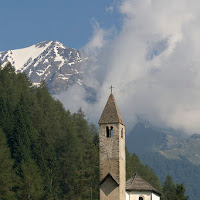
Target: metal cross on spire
111	87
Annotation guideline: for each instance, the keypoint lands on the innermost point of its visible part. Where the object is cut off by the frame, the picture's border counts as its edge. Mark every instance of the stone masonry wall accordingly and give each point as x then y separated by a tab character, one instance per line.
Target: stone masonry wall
112	157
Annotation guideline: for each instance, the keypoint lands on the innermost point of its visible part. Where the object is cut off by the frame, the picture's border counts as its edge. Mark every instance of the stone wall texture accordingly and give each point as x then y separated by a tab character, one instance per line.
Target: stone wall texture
112	160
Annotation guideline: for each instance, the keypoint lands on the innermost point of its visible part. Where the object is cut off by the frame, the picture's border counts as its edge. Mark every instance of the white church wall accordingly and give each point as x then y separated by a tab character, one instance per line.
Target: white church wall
155	197
127	196
134	195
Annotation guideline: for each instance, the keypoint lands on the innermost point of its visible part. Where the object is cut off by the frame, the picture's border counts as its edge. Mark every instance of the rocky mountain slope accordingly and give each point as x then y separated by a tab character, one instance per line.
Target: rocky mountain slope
145	138
188	149
51	61
170	144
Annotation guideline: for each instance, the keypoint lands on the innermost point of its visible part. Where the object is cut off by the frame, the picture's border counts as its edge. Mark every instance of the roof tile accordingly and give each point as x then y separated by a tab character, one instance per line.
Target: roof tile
136	183
111	112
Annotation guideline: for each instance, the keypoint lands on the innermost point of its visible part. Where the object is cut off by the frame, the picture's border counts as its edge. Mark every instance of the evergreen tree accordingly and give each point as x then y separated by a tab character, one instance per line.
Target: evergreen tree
134	165
32	183
8	179
6	117
180	192
169	189
88	166
21	138
46	116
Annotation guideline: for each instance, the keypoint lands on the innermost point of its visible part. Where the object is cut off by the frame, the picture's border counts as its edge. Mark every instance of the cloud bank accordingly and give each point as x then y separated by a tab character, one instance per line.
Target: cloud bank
153	63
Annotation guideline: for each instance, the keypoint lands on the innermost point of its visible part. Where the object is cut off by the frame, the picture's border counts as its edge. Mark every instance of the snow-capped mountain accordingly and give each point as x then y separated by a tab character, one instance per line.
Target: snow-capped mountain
51	61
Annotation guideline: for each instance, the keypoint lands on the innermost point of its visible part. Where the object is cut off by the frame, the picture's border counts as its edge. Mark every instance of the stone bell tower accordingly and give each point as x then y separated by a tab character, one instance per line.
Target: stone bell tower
112	153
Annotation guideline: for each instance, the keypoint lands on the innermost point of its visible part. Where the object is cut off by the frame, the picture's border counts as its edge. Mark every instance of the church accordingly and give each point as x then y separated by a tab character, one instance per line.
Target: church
113	184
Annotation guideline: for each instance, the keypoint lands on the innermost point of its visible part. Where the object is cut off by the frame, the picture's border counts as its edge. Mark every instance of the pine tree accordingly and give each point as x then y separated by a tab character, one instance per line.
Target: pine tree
133	165
31	183
169	189
21	139
8	178
180	192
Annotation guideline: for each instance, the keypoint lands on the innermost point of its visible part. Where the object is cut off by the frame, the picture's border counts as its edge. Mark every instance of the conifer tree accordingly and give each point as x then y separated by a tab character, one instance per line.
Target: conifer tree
134	165
32	183
169	189
21	139
8	178
180	192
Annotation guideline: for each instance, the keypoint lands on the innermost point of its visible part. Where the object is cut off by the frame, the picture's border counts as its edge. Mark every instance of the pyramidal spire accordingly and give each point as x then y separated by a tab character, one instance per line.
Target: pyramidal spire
111	112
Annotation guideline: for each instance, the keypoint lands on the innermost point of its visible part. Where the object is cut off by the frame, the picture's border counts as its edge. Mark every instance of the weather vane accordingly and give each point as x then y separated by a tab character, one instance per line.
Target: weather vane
111	87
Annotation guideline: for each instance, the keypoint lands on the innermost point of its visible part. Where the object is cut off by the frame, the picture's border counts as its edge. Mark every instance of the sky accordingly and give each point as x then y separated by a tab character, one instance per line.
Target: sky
147	49
24	23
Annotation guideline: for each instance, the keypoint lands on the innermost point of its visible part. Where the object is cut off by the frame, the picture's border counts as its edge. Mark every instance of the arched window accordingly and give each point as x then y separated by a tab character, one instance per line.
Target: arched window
122	133
141	198
107	131
111	131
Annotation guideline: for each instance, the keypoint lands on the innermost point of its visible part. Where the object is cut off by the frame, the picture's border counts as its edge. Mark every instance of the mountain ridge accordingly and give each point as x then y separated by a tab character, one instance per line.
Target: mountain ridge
169	144
51	61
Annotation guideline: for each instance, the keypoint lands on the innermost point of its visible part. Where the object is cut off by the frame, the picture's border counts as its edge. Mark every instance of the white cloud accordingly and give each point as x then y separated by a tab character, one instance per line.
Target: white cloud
97	41
153	63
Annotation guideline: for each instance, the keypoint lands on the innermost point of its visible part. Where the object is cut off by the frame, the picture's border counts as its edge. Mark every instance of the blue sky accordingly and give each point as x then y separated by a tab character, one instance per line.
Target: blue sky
27	22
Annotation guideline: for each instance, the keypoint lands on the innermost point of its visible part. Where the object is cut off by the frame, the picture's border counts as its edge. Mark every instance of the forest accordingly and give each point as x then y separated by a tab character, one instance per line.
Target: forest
181	170
49	153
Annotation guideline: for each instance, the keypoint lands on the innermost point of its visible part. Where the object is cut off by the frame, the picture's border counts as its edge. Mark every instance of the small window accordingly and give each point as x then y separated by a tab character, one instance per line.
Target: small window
141	198
107	131
122	133
111	131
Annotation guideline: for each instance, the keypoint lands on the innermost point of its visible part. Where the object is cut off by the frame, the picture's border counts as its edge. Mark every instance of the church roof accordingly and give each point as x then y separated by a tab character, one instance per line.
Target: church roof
111	112
136	183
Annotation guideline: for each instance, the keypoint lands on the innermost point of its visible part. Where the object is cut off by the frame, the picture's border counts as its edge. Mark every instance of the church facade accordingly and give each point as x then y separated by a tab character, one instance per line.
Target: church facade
113	185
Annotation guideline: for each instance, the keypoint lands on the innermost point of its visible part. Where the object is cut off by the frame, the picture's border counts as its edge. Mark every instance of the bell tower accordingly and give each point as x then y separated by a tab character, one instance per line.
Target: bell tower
112	152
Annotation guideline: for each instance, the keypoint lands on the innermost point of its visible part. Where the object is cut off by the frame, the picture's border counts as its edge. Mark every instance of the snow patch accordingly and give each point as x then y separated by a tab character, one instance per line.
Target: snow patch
30	73
58	57
72	63
41	72
46	61
20	56
63	77
36	84
79	82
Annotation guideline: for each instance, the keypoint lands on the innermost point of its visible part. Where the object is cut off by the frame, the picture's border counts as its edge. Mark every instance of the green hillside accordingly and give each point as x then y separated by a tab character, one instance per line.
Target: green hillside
181	170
